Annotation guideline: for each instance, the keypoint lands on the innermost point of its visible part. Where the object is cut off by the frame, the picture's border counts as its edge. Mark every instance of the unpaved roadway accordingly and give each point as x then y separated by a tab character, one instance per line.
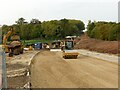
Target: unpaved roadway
50	70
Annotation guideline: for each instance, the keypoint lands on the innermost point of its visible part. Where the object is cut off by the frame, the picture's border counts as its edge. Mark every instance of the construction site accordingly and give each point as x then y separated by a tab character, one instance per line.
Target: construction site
59	64
59	44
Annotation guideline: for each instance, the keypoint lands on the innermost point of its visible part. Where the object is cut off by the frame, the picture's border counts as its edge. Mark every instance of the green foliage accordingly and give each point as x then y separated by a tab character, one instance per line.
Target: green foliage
103	30
54	29
90	27
118	31
20	21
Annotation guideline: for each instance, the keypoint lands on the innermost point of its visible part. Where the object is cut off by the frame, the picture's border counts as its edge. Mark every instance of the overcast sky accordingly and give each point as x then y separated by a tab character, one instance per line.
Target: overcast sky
99	10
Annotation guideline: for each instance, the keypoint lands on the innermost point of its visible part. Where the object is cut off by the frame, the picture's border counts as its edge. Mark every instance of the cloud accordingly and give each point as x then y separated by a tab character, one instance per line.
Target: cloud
11	10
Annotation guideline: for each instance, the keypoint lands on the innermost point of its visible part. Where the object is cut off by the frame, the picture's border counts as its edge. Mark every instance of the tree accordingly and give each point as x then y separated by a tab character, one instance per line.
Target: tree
54	29
90	27
35	21
113	34
20	21
64	25
5	29
103	30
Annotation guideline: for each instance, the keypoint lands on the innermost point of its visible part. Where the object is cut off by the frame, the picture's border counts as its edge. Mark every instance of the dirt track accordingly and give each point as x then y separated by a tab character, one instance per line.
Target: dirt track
50	70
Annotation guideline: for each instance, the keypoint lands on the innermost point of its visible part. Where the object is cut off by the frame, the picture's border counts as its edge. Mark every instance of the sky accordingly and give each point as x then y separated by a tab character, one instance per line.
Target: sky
44	10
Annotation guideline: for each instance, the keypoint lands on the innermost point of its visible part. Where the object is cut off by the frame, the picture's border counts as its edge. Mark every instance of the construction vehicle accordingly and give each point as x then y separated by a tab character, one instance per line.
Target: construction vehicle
15	47
29	47
68	52
38	46
55	45
45	46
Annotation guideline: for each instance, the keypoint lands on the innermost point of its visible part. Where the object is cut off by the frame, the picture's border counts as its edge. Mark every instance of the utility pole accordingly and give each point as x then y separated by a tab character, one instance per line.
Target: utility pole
0	70
4	75
3	62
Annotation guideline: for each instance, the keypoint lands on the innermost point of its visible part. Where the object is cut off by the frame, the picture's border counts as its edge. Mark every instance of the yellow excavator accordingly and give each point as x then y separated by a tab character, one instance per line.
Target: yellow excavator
5	37
15	47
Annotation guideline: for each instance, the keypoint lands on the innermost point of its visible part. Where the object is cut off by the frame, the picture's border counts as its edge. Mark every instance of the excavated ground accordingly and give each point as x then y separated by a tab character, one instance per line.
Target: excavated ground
17	69
50	70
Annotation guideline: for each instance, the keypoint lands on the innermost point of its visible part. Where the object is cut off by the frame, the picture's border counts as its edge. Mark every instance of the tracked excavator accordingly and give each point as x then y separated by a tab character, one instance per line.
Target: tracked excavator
15	47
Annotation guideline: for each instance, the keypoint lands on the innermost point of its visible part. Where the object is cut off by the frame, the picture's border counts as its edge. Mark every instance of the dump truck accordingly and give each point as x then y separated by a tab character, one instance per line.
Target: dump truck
15	47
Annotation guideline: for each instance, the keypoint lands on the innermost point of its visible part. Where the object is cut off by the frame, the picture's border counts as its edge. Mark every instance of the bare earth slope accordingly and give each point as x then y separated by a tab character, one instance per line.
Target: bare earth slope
84	42
50	70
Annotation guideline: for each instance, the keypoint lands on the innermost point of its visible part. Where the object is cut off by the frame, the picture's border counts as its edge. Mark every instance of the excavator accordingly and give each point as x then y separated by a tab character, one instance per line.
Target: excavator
15	47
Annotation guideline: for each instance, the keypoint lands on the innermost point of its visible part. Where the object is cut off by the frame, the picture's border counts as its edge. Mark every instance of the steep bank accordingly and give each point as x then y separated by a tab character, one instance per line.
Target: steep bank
84	42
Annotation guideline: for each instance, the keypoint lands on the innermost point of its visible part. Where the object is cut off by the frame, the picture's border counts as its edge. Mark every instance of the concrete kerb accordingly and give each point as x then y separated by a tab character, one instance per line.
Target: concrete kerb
28	84
103	56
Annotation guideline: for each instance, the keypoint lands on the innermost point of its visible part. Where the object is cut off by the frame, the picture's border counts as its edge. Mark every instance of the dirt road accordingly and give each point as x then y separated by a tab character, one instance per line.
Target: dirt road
50	70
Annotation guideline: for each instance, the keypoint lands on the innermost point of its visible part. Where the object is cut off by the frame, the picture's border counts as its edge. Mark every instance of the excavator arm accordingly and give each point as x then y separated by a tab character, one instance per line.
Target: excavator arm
5	37
15	47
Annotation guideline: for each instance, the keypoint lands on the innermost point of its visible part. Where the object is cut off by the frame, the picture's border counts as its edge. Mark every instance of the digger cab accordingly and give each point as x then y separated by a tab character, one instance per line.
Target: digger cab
69	44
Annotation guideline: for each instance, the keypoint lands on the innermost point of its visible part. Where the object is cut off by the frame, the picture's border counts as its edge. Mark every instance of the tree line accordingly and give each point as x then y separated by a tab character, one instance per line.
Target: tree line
54	29
108	31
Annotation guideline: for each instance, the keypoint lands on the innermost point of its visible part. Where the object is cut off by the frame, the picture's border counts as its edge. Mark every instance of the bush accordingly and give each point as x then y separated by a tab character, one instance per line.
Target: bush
103	30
